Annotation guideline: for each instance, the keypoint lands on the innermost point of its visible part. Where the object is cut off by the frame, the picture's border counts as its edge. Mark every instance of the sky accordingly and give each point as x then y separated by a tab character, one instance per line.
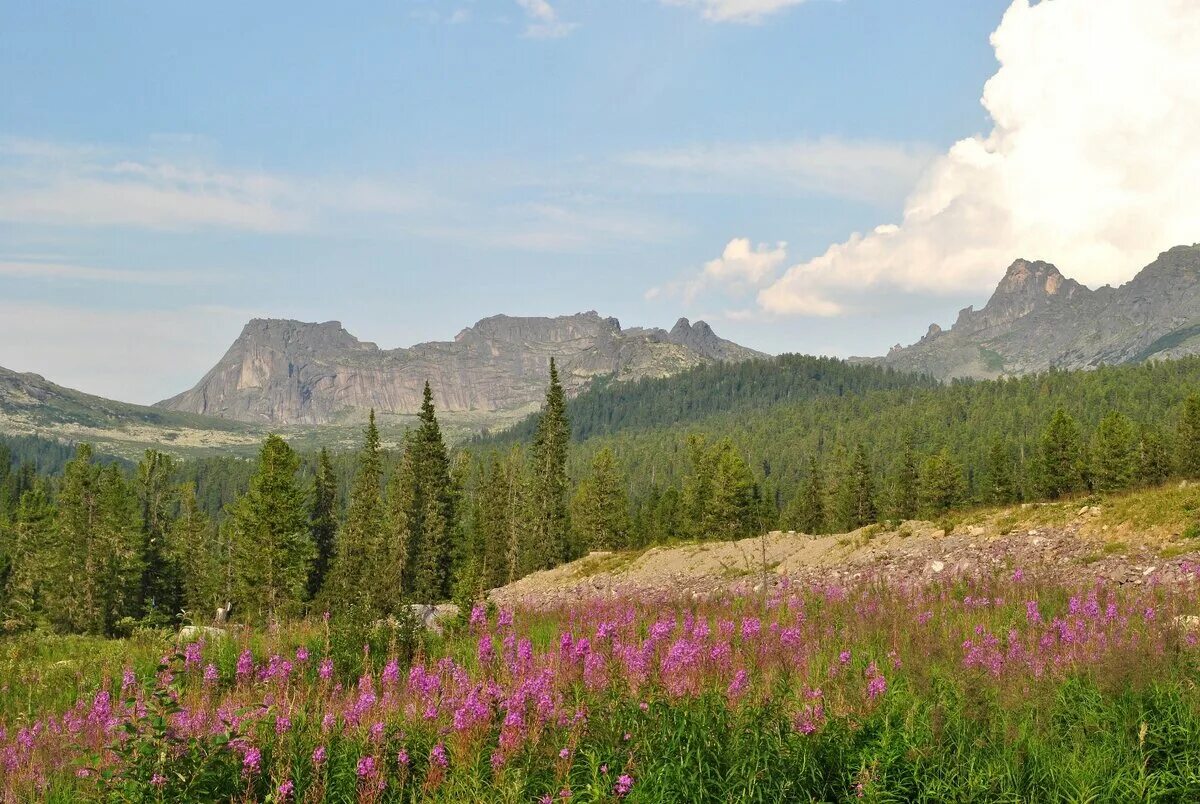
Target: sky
817	176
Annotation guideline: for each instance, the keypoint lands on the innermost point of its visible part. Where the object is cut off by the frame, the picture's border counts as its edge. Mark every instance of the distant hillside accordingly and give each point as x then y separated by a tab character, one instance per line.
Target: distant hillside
609	407
1038	319
290	372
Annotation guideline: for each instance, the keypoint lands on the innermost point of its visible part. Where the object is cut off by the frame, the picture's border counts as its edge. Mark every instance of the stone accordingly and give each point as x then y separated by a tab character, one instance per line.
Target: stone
191	633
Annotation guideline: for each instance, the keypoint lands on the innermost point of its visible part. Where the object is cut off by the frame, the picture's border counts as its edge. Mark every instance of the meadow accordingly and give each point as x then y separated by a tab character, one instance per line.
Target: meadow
1001	689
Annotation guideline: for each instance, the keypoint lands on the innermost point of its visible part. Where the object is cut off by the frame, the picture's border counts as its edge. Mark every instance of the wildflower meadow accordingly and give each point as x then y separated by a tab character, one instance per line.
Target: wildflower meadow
1004	689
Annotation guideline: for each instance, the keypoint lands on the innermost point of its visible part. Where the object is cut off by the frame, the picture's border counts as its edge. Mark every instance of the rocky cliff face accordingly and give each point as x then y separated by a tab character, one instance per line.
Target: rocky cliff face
1038	319
290	372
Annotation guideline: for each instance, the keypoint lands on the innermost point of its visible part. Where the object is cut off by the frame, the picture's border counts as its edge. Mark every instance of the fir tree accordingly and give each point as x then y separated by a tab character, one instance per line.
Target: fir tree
600	509
551	521
195	550
807	513
941	483
158	498
1188	441
730	512
856	491
493	510
271	542
1114	459
323	523
1001	483
355	574
433	515
1061	456
1153	456
33	560
907	484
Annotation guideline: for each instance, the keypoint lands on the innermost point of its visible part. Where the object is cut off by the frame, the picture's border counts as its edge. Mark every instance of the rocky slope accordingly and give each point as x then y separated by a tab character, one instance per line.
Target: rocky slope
290	372
1038	319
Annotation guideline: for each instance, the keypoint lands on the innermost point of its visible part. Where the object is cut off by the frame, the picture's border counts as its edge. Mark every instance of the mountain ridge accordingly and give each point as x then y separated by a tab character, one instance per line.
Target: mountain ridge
282	371
1038	319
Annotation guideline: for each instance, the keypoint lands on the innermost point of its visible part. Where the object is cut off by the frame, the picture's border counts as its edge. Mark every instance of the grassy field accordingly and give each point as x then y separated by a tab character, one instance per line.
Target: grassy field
988	690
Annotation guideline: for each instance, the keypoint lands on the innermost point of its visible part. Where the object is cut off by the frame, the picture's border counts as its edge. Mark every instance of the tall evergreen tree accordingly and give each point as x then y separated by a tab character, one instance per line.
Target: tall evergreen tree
196	551
907	489
856	491
1001	481
434	514
1188	440
551	520
400	535
323	521
600	508
33	560
941	483
493	511
808	512
1061	456
1114	459
272	545
354	576
1153	456
158	498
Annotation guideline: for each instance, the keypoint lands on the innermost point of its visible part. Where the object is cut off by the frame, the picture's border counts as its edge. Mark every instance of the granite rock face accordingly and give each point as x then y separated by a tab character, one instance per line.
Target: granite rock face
291	372
1038	319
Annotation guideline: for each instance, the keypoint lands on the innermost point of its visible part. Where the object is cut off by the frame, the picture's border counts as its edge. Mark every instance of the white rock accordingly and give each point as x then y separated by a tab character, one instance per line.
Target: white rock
190	633
937	566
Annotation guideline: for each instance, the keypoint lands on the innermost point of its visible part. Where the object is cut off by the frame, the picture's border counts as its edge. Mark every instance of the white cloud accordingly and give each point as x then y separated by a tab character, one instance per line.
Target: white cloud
859	170
90	186
131	355
741	267
1093	162
745	11
544	22
61	271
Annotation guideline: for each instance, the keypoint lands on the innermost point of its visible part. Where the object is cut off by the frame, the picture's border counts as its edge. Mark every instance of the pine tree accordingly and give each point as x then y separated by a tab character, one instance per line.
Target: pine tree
907	484
355	573
807	513
1001	483
158	498
600	509
551	521
323	523
272	546
1189	437
1061	456
941	483
1115	455
196	551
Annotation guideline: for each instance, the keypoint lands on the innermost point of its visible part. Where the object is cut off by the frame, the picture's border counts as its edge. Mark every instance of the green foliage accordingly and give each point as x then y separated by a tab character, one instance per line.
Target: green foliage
942	485
550	522
272	549
1189	437
600	508
1114	454
323	521
1061	456
355	567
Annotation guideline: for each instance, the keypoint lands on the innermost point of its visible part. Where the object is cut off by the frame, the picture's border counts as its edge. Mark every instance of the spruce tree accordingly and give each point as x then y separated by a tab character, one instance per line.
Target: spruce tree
551	521
492	526
196	551
1001	482
272	546
433	508
399	541
1188	441
1114	459
600	509
1153	456
807	513
731	512
907	484
941	483
856	491
1061	456
34	560
354	576
158	498
323	523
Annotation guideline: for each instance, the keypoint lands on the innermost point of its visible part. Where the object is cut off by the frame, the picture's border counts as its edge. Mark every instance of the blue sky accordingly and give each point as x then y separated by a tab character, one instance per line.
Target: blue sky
168	170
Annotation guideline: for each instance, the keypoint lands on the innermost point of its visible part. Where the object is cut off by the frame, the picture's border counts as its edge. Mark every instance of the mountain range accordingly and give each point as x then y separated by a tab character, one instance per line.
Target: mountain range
1038	319
283	372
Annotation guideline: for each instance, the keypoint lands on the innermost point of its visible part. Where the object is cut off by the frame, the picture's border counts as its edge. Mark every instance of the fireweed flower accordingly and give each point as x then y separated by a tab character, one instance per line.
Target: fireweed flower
325	671
285	790
438	756
402	758
245	664
624	785
191	654
251	761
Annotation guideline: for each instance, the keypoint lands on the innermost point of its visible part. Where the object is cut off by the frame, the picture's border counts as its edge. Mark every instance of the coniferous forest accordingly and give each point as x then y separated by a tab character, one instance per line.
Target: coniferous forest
100	546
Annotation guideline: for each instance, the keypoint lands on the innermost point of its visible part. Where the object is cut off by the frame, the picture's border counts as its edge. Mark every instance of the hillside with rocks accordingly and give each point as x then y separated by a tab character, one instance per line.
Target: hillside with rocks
1038	319
291	372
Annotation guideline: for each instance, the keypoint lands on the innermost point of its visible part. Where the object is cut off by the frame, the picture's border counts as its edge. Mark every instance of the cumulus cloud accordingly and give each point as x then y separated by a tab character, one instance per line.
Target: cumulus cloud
858	170
741	267
1092	162
745	11
544	22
